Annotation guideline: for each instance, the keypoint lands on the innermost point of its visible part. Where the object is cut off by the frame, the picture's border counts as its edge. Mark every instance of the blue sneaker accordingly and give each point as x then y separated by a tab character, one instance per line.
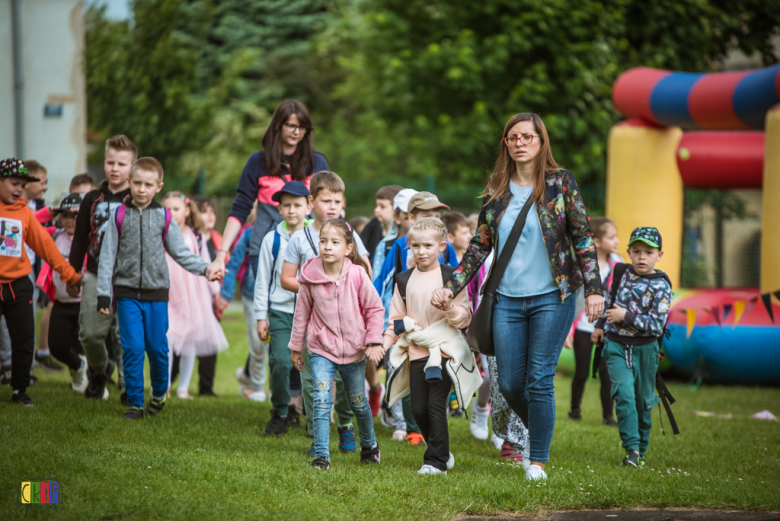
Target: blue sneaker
347	440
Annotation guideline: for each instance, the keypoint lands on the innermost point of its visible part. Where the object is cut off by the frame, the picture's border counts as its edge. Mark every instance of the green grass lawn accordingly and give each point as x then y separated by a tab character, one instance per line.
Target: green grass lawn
206	459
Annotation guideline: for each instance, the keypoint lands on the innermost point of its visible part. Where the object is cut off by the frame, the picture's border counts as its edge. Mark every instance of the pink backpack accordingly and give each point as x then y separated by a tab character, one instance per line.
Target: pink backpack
120	218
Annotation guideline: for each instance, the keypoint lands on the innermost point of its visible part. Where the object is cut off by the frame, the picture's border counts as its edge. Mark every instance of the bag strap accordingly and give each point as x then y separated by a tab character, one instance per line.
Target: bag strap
617	275
401	280
311	241
274	255
509	247
119	219
168	218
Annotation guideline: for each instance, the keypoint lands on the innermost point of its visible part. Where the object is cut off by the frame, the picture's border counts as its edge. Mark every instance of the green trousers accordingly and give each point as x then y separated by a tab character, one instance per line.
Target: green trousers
633	389
279	363
343	409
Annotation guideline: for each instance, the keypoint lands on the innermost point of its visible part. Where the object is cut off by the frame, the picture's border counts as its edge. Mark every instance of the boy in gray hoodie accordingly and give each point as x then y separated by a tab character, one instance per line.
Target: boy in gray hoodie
132	260
274	306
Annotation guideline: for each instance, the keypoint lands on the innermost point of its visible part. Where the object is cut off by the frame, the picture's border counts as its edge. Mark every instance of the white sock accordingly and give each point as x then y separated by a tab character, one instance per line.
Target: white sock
480	410
43	353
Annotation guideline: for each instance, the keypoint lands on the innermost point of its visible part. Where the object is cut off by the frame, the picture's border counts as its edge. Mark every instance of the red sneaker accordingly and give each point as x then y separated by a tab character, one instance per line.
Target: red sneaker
375	400
509	454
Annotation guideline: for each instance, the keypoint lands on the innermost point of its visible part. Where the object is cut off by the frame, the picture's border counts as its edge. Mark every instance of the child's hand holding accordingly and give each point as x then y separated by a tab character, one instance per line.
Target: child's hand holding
73	289
616	314
375	353
597	336
104	311
221	303
262	329
213	273
297	359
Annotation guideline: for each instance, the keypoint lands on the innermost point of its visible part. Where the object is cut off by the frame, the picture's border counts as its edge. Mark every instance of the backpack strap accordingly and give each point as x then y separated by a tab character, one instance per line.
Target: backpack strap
401	280
617	275
307	233
168	218
119	218
274	255
446	258
398	266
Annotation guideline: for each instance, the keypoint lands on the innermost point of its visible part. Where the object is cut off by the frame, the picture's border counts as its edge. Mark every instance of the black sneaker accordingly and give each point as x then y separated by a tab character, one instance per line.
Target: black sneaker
97	385
369	455
277	426
23	398
631	459
610	422
5	378
134	413
47	363
293	418
155	406
575	415
123	399
321	463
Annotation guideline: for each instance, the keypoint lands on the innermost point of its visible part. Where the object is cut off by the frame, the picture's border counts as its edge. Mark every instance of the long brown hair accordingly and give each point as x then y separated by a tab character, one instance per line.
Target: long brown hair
346	232
302	161
544	164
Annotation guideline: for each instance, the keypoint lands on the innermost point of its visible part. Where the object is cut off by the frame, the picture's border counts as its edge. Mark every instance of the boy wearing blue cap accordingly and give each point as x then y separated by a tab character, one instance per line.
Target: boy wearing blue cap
637	310
274	306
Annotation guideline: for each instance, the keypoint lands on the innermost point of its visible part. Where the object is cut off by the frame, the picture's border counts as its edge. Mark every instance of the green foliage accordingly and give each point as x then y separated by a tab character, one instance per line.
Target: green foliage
397	89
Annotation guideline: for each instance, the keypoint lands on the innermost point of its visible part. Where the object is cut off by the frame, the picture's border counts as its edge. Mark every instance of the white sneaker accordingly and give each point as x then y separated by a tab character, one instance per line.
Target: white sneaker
399	435
79	380
244	382
184	395
535	472
527	456
258	396
479	420
105	393
427	469
496	441
451	462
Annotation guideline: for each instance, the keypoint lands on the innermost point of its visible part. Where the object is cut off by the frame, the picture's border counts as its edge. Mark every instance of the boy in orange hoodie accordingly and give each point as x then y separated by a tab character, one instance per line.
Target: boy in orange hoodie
17	227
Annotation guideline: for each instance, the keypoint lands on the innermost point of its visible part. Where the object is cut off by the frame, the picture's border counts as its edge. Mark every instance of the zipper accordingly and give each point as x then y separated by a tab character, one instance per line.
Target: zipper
141	270
339	314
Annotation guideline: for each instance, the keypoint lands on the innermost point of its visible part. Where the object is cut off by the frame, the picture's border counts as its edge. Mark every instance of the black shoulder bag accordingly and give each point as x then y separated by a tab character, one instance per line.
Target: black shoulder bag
480	335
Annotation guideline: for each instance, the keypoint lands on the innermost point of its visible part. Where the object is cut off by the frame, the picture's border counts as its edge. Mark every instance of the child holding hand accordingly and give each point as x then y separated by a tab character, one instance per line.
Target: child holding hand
342	312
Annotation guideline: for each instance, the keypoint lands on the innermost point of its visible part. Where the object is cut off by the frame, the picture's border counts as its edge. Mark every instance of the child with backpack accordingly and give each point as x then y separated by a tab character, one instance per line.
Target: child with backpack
430	354
639	299
193	327
133	271
274	306
340	316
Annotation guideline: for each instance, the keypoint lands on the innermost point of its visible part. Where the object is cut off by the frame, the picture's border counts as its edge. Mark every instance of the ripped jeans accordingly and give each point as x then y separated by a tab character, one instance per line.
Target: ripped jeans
353	375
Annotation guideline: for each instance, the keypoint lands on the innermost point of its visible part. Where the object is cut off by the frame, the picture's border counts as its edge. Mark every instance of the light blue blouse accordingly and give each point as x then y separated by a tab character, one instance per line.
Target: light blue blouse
528	273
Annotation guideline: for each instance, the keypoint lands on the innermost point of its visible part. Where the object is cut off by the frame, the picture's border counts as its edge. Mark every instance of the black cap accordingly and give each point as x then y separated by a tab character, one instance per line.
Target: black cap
71	203
296	188
13	167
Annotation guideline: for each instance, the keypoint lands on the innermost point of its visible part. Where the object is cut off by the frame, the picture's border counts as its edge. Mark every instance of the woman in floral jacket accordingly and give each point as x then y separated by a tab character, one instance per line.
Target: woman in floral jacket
554	256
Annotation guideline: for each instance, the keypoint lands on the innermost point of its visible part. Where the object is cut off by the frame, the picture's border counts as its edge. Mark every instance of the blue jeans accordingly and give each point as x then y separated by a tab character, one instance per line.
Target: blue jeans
143	327
353	376
528	334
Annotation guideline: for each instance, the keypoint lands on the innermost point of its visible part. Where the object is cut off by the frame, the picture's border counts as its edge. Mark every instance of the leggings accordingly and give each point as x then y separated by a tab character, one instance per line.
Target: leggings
64	341
583	350
429	406
185	366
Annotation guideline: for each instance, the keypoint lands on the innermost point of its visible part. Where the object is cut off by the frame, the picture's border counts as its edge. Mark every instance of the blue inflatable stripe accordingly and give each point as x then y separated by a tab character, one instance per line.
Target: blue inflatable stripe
755	95
669	99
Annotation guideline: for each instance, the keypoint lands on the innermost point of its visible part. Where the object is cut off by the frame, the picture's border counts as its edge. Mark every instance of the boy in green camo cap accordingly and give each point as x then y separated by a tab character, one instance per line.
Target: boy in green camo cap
634	322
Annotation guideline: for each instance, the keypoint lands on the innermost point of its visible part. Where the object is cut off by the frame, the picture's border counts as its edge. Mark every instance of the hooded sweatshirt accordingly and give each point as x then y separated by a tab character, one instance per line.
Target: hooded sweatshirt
341	316
18	226
646	299
268	287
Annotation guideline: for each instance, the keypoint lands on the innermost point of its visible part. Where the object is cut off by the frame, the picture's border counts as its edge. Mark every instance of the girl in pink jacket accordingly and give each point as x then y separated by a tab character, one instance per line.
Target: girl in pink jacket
340	315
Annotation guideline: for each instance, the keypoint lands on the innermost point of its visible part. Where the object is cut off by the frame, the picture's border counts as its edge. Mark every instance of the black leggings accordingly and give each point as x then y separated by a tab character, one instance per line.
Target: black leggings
429	407
17	307
207	368
583	351
64	333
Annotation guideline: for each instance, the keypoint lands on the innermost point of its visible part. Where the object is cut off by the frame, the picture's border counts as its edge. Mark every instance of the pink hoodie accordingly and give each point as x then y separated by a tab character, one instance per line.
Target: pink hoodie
341	316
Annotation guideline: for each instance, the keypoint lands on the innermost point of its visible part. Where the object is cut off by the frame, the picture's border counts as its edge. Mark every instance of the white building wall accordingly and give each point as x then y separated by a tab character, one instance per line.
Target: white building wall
52	61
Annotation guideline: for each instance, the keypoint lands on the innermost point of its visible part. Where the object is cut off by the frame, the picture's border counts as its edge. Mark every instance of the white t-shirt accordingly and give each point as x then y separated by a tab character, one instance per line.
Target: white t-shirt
604	272
299	249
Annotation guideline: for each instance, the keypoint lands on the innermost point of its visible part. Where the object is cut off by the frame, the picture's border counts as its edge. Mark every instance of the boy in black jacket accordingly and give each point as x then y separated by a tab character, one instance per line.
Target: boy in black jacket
633	326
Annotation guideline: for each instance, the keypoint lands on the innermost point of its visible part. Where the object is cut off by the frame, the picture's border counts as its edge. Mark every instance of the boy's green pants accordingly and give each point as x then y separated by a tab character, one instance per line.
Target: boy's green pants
633	389
343	409
279	362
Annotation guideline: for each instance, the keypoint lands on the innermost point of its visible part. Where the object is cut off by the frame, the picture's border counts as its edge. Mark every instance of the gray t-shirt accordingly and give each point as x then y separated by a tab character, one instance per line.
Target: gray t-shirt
299	249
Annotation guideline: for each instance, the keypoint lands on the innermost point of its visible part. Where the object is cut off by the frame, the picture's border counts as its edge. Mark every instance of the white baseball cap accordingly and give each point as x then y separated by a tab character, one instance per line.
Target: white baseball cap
402	198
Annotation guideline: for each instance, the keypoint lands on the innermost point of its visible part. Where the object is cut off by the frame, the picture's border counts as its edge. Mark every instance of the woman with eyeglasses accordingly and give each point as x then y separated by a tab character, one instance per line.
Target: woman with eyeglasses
554	256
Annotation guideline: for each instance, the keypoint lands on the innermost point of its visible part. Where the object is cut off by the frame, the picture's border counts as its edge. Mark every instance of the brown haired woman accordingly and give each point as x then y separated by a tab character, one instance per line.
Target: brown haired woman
554	256
288	155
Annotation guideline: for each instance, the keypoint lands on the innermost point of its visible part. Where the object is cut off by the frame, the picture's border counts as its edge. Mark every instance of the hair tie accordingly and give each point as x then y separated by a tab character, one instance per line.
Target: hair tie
187	200
348	227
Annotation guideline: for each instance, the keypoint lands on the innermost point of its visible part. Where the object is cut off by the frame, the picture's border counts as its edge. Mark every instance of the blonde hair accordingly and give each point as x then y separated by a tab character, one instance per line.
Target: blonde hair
430	223
346	232
122	143
147	164
544	164
325	180
193	220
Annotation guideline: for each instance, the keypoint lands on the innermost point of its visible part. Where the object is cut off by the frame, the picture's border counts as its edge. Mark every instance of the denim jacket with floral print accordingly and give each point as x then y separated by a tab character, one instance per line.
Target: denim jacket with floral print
565	229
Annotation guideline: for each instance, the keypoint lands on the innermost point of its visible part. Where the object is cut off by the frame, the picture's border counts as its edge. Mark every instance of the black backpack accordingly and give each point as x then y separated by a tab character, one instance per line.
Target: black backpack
402	279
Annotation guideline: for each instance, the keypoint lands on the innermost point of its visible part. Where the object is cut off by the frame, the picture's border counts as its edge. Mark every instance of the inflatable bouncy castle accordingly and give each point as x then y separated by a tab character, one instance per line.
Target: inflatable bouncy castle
708	131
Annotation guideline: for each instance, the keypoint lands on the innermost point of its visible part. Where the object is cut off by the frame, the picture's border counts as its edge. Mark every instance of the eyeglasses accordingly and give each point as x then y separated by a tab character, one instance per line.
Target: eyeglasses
295	128
525	139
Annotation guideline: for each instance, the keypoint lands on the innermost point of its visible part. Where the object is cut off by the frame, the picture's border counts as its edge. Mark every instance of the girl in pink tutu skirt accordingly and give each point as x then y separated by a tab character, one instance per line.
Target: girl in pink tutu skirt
193	329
